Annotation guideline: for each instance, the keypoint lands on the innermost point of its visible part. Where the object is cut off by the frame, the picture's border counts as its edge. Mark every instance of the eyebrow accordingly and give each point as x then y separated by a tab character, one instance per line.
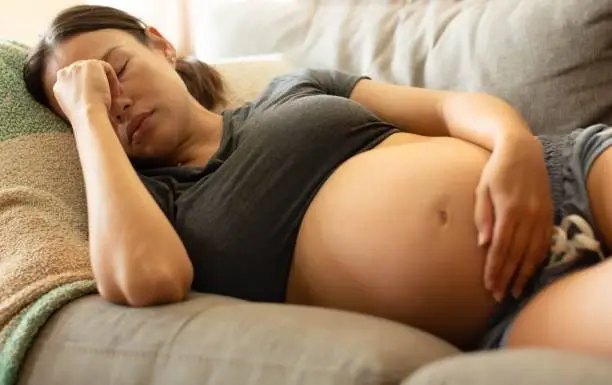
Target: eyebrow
108	53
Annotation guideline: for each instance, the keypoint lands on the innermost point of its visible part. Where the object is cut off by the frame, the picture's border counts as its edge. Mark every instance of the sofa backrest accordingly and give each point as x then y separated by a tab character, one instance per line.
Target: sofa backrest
551	59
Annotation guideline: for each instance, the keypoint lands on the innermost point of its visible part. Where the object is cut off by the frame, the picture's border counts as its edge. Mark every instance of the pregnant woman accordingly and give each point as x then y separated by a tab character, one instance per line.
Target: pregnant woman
430	208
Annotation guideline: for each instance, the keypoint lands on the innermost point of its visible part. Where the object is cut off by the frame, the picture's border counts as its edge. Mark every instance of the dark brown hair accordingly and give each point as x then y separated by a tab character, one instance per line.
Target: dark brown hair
202	80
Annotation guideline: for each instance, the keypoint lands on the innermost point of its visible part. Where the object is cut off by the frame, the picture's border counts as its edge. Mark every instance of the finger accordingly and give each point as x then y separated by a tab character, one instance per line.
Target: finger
509	264
535	254
517	254
113	80
483	215
502	235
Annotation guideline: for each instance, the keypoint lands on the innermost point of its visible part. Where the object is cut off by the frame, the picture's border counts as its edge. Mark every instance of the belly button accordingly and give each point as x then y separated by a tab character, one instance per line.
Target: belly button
443	217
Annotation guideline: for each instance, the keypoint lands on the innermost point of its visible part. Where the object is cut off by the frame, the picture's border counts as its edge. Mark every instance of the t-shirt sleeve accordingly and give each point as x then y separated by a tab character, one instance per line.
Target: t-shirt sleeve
306	82
331	82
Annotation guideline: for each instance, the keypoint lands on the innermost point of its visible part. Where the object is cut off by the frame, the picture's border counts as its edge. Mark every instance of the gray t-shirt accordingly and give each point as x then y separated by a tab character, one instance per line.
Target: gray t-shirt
239	215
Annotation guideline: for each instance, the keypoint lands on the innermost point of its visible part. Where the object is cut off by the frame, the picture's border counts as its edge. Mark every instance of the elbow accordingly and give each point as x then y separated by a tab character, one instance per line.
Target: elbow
153	288
157	290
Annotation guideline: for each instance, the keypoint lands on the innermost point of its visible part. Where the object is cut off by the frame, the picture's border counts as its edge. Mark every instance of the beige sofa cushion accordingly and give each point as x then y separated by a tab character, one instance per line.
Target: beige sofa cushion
513	367
245	79
550	59
217	340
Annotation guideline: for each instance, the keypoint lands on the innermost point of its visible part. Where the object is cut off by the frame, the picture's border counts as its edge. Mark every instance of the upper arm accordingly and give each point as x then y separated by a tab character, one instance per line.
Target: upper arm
331	82
411	109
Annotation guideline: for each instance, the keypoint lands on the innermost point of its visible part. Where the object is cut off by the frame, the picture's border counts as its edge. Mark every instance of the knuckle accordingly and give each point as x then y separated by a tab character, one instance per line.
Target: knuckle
96	63
83	64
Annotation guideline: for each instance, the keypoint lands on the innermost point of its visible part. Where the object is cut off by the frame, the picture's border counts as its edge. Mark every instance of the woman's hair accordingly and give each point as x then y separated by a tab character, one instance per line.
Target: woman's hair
202	81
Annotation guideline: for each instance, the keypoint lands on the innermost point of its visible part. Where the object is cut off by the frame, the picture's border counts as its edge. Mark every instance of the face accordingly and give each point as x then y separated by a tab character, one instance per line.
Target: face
150	87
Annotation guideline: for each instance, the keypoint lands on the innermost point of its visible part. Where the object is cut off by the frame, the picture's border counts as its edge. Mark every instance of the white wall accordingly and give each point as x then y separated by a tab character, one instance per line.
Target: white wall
168	16
24	20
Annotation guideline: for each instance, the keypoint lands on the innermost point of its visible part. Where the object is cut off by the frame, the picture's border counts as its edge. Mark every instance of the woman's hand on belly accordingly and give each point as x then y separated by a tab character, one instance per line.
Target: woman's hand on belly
514	214
392	233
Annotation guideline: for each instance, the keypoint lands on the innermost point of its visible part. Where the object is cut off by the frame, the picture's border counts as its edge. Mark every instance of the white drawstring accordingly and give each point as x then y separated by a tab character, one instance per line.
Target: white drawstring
564	249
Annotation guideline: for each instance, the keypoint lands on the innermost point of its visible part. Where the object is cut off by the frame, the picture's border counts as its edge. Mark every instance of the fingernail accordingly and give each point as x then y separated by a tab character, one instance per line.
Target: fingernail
516	293
498	297
481	239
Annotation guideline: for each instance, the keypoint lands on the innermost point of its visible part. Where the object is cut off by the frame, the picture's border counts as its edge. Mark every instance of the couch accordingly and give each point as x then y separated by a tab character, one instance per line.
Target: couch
210	339
214	340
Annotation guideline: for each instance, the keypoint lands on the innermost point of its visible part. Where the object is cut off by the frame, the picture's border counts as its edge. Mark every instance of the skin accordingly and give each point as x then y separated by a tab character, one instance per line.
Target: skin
574	313
185	132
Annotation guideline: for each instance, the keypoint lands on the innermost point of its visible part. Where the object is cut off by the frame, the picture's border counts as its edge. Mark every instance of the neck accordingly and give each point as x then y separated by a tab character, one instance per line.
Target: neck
205	129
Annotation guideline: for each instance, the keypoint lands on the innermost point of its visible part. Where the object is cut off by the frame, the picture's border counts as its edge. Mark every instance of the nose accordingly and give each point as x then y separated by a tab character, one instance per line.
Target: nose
119	108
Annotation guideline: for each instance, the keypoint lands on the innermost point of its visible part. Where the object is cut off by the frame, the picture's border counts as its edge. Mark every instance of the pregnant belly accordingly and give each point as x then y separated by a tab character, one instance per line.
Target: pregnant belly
391	233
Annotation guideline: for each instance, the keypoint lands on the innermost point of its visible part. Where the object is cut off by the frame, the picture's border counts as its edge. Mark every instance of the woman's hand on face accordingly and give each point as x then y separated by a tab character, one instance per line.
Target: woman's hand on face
514	214
86	85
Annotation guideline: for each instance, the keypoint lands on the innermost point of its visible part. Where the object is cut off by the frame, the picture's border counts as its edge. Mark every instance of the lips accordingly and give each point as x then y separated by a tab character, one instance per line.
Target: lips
135	124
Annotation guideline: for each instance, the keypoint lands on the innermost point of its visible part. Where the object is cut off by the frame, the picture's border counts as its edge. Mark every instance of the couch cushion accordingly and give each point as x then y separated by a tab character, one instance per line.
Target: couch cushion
551	59
245	79
216	340
511	367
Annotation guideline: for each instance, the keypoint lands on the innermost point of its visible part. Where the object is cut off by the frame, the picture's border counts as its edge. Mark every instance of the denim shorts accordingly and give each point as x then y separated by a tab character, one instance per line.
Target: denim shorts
569	159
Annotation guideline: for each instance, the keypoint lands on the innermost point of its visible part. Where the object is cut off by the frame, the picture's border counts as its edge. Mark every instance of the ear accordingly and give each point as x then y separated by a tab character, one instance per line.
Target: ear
159	43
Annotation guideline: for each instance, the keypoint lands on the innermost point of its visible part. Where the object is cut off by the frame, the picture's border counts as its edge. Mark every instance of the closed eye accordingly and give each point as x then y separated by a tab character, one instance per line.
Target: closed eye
122	70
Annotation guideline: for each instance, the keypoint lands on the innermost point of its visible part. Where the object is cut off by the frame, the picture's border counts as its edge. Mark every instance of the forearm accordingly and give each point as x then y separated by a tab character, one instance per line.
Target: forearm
137	257
482	119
